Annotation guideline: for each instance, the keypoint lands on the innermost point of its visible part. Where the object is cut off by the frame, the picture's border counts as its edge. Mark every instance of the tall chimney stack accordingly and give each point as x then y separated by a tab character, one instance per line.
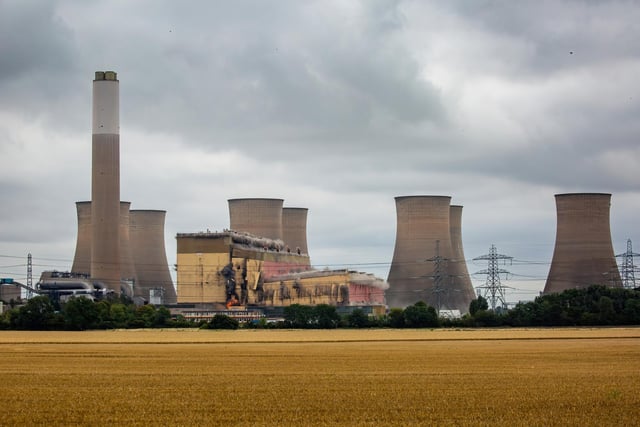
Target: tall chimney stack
105	180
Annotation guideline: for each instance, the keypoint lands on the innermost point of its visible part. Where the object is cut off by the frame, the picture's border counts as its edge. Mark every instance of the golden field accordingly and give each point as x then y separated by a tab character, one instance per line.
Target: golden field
322	377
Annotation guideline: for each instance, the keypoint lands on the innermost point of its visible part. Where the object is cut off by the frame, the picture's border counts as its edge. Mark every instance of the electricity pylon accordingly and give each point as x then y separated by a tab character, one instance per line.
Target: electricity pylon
627	269
29	276
493	291
439	275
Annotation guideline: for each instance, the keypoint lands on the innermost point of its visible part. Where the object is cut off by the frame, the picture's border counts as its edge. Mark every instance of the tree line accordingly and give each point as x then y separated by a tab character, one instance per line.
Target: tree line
593	306
80	313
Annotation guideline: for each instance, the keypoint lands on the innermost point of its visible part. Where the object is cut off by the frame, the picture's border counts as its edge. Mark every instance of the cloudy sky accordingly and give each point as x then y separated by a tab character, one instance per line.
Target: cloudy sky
337	106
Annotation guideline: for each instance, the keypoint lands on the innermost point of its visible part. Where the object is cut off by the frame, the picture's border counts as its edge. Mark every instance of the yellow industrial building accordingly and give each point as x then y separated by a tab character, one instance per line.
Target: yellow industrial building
238	269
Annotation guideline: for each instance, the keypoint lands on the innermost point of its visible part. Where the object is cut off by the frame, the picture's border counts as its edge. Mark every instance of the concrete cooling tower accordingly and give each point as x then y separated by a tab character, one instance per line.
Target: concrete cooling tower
294	229
422	234
127	268
105	181
458	264
583	253
149	254
260	217
82	257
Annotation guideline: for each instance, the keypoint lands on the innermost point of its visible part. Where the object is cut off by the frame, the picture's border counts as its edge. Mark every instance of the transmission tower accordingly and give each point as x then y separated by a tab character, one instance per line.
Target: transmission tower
439	275
29	276
627	269
493	291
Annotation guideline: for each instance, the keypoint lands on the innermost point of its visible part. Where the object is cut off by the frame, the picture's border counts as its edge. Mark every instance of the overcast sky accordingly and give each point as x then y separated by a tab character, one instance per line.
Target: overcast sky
336	106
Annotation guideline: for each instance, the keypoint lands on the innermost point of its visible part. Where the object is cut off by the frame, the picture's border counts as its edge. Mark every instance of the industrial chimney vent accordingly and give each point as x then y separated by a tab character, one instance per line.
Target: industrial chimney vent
106	75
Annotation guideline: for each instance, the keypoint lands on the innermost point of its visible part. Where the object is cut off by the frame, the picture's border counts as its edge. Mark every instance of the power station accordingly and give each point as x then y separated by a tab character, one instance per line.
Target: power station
262	259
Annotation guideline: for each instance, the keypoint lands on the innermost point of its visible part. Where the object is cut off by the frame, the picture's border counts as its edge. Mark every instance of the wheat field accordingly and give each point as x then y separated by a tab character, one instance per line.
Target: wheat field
318	377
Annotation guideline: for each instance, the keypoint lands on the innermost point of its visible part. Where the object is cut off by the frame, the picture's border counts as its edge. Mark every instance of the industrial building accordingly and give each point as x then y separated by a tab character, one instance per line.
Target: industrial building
239	268
583	254
9	293
428	260
233	268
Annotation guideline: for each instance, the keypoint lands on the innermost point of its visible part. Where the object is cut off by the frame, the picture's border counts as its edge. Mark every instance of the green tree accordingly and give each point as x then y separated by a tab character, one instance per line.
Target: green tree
221	321
5	319
631	311
487	318
606	311
396	318
120	315
36	314
326	316
358	319
478	304
104	315
163	317
80	313
298	316
420	315
145	316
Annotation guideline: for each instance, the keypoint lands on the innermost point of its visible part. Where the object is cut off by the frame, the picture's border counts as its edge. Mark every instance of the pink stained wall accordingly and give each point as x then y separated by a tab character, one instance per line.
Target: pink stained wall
365	294
277	268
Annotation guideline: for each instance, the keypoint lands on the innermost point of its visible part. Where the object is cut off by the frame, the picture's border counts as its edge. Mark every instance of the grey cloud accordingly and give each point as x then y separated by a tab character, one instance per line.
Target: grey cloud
562	35
36	52
292	84
33	38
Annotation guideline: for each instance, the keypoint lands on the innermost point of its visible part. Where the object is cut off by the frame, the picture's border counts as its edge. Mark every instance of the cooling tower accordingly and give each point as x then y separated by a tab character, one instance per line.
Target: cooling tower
127	268
260	217
294	229
583	254
82	257
105	181
457	265
149	254
422	236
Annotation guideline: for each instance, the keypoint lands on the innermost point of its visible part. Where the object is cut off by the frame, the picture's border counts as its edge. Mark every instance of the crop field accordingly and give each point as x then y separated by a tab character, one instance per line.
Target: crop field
538	377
